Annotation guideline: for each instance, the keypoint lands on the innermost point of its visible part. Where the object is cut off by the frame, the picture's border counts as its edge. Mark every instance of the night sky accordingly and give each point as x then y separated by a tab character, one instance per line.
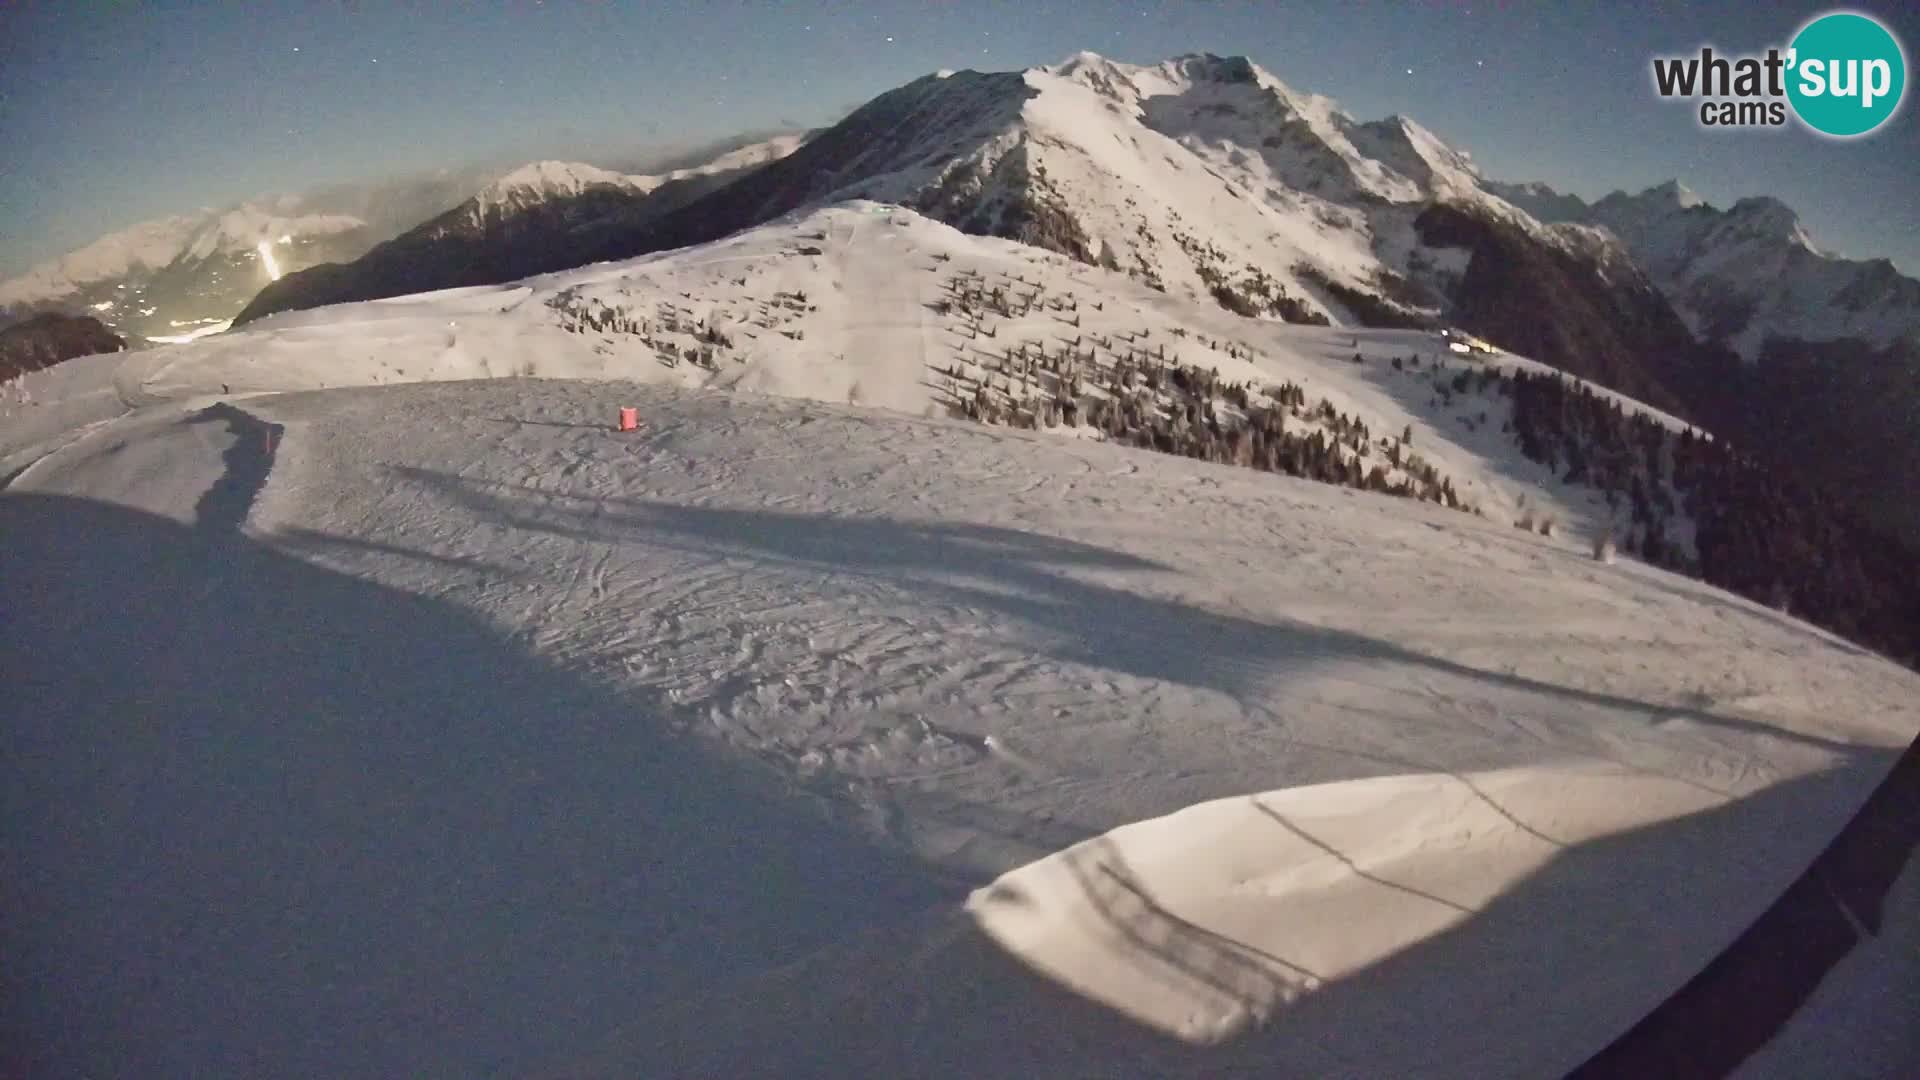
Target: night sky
114	114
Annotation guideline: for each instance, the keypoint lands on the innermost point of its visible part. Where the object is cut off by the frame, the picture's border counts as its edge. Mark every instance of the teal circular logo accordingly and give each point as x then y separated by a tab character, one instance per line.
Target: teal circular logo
1846	74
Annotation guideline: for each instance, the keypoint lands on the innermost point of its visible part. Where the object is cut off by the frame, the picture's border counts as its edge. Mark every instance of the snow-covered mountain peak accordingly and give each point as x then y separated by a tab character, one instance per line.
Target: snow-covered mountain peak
194	270
1108	78
1307	140
1181	71
1658	201
1230	111
1757	217
551	178
539	182
1189	74
243	228
1765	217
1419	155
1206	67
1199	175
759	153
1084	60
1675	193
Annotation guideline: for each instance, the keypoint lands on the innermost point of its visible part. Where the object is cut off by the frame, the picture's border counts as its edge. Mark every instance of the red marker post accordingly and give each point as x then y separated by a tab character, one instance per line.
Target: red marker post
629	419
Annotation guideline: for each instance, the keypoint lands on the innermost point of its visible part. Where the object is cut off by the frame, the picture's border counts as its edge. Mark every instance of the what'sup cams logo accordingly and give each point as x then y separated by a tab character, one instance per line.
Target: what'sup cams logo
1842	75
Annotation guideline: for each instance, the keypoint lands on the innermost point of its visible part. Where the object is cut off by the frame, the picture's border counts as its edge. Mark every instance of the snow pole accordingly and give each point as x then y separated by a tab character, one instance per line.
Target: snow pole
629	418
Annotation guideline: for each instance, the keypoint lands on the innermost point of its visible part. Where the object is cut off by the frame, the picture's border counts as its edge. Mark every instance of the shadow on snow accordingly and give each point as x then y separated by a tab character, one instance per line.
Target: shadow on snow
265	819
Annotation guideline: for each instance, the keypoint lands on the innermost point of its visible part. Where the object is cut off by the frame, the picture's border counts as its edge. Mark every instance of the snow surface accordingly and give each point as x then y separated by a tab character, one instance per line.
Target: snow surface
438	729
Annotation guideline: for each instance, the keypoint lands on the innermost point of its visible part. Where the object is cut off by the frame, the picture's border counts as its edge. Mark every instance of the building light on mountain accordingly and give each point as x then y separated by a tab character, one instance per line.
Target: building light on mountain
266	257
1462	342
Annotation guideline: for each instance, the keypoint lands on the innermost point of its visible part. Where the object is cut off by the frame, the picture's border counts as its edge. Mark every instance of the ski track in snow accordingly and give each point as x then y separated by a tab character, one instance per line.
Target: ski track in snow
1426	742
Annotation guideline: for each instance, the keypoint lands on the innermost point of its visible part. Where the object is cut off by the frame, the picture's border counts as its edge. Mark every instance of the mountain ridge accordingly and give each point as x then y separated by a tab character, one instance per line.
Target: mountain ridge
1745	274
1202	174
186	275
540	218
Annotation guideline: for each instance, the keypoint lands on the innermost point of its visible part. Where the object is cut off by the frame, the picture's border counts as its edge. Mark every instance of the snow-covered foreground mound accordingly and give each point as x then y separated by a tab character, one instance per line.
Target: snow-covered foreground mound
1278	893
440	730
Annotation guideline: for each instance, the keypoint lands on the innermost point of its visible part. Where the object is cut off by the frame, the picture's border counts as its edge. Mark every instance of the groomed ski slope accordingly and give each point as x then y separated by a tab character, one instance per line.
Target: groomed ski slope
485	739
440	730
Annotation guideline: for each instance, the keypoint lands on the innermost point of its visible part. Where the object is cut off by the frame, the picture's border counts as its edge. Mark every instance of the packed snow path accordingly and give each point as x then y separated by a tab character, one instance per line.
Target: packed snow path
439	730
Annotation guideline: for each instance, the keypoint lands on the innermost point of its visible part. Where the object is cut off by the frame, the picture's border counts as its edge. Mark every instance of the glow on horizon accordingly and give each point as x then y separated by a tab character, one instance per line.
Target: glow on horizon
265	249
195	334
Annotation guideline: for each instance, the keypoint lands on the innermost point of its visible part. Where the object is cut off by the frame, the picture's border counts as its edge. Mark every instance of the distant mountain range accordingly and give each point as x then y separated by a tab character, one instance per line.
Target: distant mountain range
1208	176
542	217
1744	274
173	276
191	273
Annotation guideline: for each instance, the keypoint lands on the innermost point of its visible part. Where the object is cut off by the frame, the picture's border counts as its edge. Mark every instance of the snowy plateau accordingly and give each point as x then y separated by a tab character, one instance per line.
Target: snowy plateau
374	708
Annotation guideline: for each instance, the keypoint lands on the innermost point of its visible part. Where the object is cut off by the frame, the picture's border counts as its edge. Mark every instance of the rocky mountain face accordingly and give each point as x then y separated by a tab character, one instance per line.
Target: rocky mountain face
44	340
